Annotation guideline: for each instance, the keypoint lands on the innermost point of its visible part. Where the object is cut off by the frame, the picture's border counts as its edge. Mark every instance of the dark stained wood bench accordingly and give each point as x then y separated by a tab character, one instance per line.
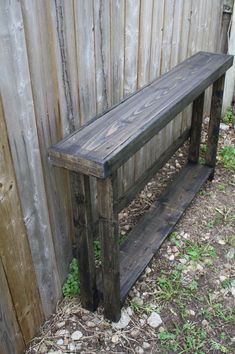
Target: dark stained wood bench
103	145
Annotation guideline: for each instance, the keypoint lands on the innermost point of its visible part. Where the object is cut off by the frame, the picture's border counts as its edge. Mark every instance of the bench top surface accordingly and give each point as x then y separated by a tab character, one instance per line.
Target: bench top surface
104	144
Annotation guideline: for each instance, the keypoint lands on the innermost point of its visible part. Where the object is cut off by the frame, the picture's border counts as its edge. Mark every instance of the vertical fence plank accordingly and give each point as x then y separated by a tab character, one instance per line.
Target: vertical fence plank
20	119
50	73
14	247
11	340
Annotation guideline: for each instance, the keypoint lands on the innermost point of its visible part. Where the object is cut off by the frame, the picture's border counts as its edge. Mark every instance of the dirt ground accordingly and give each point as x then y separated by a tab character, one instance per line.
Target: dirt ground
185	300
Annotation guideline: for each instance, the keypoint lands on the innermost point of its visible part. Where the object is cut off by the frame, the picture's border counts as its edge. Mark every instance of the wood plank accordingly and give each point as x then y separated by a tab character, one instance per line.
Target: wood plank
146	238
108	142
14	246
195	136
108	226
11	339
82	218
135	188
52	72
25	148
213	130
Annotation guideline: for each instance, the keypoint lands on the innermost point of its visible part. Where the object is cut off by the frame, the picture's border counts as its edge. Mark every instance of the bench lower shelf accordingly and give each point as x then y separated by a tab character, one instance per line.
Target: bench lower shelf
148	235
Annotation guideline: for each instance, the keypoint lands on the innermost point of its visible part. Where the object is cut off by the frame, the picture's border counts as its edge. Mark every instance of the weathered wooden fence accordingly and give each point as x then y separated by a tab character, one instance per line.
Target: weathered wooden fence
62	62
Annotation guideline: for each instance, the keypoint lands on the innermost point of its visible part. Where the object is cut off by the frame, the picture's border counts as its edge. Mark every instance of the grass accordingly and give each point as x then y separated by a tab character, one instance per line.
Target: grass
197	252
229	117
71	286
227	157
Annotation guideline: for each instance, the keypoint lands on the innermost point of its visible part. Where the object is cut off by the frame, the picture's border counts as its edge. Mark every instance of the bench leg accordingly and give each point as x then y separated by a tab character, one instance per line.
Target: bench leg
108	223
214	124
195	137
82	218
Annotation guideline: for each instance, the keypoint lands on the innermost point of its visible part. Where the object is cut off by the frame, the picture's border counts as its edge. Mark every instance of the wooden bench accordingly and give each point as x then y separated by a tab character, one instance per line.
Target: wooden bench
104	144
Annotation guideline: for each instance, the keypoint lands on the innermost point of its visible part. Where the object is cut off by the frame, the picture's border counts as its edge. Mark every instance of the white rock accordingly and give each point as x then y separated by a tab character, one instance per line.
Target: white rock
71	347
90	324
233	340
148	270
206	120
221	242
171	258
139	350
154	320
191	312
129	311
205	323
230	253
200	267
142	322
161	329
123	322
146	345
222	278
60	342
224	127
115	338
76	335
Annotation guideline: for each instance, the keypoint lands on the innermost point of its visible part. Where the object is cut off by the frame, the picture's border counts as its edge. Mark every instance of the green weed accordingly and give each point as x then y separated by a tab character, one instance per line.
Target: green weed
227	157
224	215
97	249
229	117
197	252
71	286
217	346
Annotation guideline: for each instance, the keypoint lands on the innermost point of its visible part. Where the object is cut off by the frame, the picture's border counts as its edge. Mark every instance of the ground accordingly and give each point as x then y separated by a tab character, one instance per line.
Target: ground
185	300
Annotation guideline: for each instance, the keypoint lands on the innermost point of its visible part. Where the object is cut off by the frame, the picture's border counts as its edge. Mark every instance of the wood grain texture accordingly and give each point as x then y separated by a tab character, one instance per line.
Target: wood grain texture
84	234
108	226
11	339
23	137
50	74
104	145
214	123
14	247
195	135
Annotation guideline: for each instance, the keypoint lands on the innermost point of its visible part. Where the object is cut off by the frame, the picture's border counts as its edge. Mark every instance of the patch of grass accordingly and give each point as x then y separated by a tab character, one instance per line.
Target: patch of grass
138	307
185	339
216	309
217	346
229	117
71	286
197	252
221	187
228	283
227	157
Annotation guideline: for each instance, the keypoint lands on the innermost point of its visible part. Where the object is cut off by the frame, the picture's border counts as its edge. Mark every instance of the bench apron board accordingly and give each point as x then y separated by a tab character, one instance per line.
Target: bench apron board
105	143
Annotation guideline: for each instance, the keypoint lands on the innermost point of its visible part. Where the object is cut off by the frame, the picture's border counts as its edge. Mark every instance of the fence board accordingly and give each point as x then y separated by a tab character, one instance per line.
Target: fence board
21	124
11	340
14	248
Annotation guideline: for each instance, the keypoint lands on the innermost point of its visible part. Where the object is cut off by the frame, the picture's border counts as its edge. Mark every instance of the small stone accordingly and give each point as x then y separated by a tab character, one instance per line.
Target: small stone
142	322
71	347
191	312
148	270
127	227
60	342
123	232
139	350
43	348
224	127
90	324
154	320
221	242
206	120
129	311
205	323
123	322
146	345
171	258
161	329
115	338
177	165
55	352
200	267
76	335
222	278
60	324
149	195
233	340
134	333
174	249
